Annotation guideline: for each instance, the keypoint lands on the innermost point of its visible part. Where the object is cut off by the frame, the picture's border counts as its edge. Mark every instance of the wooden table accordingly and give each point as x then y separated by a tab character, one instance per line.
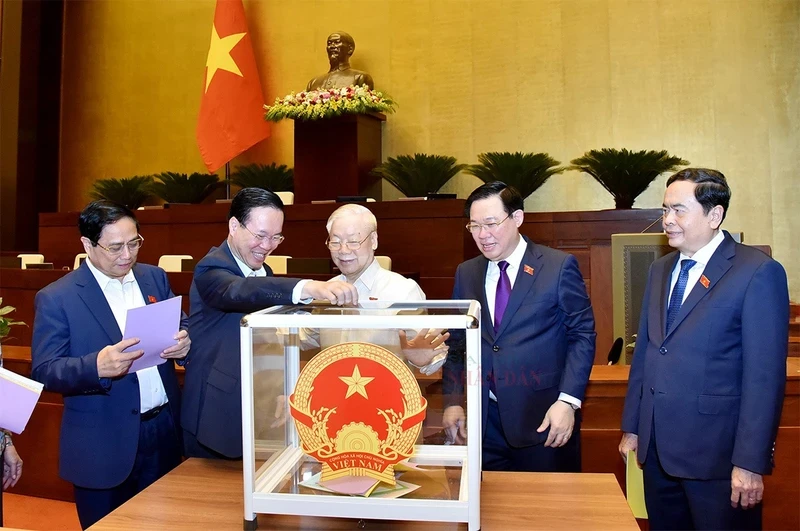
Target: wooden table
206	494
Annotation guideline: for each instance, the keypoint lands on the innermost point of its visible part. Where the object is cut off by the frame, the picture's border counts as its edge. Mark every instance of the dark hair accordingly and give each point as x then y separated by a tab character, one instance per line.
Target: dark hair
249	198
510	197
97	214
712	188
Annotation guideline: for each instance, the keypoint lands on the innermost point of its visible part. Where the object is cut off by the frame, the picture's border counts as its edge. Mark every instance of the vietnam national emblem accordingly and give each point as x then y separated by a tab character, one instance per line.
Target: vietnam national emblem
358	409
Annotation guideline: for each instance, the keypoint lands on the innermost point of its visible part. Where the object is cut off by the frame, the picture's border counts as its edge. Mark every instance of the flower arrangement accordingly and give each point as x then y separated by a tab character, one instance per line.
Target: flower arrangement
316	104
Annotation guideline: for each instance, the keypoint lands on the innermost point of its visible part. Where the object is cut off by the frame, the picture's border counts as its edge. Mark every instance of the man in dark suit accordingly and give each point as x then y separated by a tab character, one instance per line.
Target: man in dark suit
230	282
120	431
709	368
538	341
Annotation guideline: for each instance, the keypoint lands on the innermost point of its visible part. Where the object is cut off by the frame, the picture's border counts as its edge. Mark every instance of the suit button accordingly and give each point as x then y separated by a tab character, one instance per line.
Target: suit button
663	350
135	411
652	391
496	348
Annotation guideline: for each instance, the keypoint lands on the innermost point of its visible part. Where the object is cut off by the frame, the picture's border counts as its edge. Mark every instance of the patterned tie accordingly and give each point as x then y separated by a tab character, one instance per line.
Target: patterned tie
676	300
502	295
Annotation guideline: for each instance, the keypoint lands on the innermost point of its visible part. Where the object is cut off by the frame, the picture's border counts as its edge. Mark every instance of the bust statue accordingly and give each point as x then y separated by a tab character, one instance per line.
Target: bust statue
340	47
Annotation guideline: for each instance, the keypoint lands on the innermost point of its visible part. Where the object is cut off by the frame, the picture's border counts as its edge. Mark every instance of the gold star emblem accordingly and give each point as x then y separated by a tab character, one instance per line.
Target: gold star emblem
356	383
219	54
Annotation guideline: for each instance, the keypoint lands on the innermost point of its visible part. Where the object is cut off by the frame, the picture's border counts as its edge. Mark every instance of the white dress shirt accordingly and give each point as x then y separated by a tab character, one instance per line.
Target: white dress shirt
121	297
701	257
493	277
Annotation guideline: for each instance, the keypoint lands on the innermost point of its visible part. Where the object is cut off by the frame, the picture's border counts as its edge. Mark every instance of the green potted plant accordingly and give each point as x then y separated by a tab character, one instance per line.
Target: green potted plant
624	173
182	188
524	171
419	175
5	325
131	192
269	177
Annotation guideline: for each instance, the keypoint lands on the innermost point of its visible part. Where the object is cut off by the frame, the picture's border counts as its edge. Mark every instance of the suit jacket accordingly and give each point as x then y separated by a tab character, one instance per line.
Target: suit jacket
545	344
100	426
714	384
220	296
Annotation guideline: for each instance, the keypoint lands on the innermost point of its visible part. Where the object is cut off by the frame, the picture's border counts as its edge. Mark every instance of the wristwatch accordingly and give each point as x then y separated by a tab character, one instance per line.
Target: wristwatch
573	406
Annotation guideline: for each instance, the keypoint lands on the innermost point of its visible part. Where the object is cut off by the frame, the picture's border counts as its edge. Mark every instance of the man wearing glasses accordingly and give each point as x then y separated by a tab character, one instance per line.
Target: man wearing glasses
537	346
120	431
352	241
230	282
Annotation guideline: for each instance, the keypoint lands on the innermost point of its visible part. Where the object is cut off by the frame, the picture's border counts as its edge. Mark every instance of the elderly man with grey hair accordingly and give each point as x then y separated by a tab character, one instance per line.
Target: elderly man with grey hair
352	241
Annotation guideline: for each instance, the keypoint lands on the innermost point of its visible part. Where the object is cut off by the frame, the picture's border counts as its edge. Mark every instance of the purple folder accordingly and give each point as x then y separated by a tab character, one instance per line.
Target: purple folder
18	397
155	325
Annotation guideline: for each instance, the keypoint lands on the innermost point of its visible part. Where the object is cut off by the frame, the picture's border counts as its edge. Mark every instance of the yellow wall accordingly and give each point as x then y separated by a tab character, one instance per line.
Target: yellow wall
716	82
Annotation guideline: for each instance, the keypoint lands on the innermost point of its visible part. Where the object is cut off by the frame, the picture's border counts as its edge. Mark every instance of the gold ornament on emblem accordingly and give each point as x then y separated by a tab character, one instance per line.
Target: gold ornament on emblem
358	409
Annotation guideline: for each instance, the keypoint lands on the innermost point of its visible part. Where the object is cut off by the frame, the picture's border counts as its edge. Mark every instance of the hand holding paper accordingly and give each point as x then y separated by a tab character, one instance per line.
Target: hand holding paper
179	350
156	325
112	361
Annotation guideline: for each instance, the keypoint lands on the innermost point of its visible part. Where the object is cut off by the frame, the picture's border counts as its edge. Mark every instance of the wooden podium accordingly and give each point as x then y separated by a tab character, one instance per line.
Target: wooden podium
333	157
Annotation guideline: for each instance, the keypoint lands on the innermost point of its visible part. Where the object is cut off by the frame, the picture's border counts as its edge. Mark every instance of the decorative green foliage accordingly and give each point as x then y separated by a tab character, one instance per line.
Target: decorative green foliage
129	191
181	188
524	171
273	177
6	322
419	175
626	174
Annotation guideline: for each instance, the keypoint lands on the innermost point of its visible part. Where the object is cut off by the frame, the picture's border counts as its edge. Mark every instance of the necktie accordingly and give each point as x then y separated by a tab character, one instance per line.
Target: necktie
501	295
676	300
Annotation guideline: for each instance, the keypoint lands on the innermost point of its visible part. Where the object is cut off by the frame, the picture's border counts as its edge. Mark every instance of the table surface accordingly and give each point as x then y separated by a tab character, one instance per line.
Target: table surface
207	494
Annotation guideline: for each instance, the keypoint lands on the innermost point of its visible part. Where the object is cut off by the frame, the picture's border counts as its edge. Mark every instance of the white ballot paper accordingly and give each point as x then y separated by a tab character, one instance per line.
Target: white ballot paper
155	325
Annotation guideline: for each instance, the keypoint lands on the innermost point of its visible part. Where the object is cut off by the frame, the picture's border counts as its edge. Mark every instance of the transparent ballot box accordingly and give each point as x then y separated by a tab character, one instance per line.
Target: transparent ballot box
329	398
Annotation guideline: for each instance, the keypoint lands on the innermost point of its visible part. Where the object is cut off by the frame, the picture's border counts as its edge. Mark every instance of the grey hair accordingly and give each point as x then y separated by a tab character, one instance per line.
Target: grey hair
351	209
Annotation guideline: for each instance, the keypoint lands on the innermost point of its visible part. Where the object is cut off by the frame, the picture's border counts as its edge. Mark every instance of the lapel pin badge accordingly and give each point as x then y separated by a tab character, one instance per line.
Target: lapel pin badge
528	269
373	298
151	299
704	281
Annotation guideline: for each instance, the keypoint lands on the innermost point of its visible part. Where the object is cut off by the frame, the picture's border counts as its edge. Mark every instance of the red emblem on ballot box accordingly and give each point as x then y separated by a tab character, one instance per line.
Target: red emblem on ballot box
358	409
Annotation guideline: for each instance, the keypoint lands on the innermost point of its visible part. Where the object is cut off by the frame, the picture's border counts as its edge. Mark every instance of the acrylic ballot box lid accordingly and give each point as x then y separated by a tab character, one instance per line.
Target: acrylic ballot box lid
443	482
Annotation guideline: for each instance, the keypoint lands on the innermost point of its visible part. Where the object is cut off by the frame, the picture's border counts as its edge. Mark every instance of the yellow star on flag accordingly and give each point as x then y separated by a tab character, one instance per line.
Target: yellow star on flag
356	383
219	54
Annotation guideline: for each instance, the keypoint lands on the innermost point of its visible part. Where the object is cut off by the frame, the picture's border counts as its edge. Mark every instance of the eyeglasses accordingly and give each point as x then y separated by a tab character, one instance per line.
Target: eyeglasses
475	228
117	248
277	239
353	246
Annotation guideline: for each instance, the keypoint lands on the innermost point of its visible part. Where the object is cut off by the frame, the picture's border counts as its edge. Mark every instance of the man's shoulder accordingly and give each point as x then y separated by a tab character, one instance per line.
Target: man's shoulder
67	283
216	257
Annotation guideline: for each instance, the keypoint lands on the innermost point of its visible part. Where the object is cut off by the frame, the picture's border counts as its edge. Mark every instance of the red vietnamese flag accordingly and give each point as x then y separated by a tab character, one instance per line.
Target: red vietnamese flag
232	107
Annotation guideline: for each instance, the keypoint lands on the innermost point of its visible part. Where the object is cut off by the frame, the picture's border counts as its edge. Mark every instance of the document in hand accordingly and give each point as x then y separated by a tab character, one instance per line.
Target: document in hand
18	397
155	325
634	484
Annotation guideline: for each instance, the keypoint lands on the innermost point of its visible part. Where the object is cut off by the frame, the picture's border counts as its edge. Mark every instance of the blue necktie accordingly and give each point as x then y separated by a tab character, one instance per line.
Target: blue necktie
676	300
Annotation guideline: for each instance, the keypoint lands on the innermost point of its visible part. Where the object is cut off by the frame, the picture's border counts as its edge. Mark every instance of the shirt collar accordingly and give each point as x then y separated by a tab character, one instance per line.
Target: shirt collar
515	258
703	255
368	276
103	280
246	270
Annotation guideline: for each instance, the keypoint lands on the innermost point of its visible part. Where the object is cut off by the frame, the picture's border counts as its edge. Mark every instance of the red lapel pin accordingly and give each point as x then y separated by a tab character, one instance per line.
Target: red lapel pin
528	269
373	298
704	281
151	299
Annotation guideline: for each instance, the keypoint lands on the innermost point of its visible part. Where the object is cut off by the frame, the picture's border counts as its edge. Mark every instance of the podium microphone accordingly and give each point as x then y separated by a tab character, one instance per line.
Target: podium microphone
615	352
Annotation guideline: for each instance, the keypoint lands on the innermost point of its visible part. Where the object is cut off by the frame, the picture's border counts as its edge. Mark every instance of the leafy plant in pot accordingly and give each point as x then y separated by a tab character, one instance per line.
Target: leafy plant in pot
131	192
524	171
419	175
626	174
182	188
269	177
5	326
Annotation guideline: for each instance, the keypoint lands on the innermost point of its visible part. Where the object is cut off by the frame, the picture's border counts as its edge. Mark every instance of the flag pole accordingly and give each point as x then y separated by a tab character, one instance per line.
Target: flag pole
227	180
